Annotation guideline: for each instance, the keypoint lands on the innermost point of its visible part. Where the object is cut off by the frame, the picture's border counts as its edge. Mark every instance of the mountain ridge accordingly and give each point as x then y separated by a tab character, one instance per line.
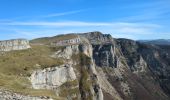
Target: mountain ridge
94	67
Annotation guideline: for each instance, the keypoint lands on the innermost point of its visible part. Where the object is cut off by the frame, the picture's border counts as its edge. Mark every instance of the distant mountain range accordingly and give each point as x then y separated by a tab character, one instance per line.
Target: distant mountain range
157	41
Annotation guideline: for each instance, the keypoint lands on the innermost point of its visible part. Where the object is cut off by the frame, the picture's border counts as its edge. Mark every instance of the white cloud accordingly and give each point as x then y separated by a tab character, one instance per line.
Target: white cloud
79	23
58	24
41	29
62	13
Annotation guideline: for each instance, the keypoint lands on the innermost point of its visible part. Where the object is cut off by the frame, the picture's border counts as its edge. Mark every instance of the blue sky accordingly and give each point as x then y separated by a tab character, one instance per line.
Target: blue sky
133	19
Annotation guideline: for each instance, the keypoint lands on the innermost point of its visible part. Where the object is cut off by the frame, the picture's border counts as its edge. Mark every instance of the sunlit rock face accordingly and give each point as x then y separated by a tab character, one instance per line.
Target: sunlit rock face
66	42
17	44
67	52
97	37
50	78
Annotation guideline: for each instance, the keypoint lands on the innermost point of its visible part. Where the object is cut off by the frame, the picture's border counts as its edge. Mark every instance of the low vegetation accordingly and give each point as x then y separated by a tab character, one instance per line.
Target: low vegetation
16	67
84	80
70	89
84	83
48	40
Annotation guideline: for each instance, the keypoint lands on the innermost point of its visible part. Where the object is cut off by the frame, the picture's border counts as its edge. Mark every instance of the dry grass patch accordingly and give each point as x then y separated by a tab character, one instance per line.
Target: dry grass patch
16	67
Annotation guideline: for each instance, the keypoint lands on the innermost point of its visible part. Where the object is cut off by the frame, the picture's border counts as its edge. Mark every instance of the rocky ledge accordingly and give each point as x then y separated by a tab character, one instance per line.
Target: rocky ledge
16	44
50	78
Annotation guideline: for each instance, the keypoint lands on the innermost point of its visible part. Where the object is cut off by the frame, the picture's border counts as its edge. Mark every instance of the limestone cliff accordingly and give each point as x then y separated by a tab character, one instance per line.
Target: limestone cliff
51	78
16	44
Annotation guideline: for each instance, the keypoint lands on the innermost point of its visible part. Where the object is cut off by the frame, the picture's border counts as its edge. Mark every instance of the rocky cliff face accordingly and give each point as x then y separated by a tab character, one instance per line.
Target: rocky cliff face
104	68
17	44
97	37
51	78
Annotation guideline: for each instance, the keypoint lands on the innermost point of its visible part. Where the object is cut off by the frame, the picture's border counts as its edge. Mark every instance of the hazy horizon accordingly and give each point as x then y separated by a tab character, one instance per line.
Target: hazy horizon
137	20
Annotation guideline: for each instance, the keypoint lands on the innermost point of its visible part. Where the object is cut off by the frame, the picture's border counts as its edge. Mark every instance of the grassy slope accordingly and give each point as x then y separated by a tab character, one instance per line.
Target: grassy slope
48	40
16	66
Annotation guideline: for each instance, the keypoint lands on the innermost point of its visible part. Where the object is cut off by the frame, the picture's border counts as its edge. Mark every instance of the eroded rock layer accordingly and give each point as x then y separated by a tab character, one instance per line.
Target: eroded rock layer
17	44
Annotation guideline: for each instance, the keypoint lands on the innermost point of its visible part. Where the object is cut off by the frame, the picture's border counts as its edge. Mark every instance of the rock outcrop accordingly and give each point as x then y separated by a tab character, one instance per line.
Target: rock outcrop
67	52
17	44
104	55
66	42
97	37
51	78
